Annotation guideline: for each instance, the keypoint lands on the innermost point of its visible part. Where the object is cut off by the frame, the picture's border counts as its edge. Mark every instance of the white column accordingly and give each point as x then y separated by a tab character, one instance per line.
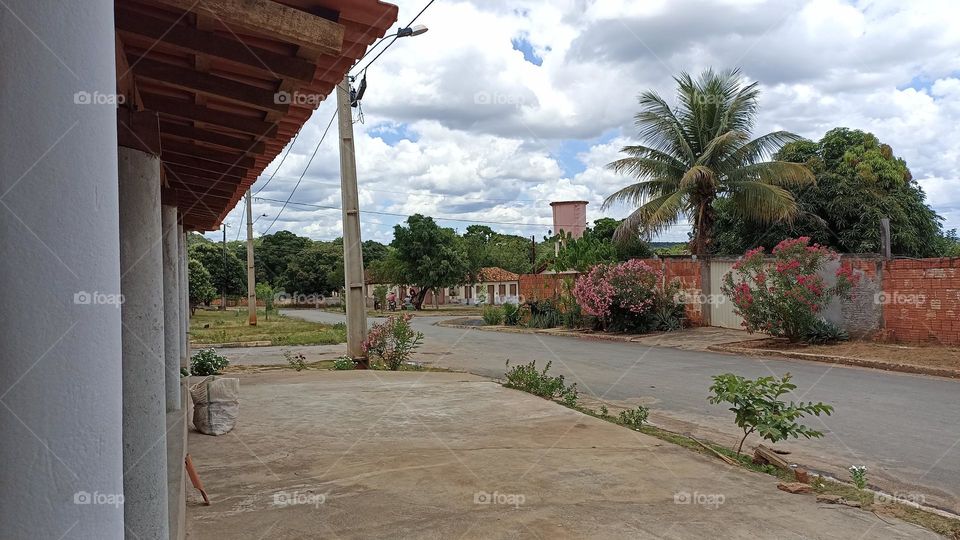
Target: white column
185	302
144	401
60	385
172	326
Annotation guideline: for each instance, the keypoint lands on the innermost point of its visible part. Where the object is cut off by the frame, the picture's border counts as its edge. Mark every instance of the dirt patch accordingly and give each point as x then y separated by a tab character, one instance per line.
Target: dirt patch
918	360
925	356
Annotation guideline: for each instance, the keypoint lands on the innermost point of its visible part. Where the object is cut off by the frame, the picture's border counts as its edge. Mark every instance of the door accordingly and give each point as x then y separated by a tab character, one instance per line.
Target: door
490	295
721	307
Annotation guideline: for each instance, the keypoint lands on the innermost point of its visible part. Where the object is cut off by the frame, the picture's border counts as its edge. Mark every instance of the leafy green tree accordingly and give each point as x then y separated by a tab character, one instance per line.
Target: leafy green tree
482	247
426	255
275	253
233	276
859	181
374	251
265	294
201	285
318	269
701	152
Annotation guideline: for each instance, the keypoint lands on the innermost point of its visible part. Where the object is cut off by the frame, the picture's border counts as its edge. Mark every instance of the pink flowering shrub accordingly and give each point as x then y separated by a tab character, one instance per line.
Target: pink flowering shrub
784	297
618	296
392	341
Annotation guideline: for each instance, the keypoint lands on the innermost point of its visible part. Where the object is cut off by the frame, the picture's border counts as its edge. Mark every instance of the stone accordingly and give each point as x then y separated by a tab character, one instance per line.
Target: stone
829	499
801	475
794	487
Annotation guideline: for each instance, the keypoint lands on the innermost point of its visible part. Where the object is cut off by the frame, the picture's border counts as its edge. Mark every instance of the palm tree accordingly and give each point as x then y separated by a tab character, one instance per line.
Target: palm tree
701	151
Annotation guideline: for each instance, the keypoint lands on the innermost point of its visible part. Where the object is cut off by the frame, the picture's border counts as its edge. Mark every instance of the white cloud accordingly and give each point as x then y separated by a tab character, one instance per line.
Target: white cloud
487	133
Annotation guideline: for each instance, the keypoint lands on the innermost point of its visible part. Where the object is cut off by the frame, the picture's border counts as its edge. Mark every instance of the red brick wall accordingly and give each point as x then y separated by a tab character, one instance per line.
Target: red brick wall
542	286
688	272
921	300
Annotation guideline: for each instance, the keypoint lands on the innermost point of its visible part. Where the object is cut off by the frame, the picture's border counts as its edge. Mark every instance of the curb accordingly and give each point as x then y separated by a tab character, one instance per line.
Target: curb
231	345
843	360
625	338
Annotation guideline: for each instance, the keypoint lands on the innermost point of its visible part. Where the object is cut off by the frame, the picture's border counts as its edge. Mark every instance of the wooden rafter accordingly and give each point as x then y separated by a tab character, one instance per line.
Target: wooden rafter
193	40
272	19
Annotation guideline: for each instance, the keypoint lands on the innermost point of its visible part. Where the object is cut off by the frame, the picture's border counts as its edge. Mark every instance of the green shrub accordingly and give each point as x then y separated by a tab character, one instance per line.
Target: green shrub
757	406
634	418
525	377
543	314
207	362
343	363
785	296
393	341
511	314
492	315
822	331
296	361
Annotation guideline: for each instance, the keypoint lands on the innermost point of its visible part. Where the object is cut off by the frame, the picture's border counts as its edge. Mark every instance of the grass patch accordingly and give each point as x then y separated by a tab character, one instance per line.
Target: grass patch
208	327
319	365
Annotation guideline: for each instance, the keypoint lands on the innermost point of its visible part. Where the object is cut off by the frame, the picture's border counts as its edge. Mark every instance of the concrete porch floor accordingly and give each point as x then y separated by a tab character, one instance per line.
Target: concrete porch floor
450	455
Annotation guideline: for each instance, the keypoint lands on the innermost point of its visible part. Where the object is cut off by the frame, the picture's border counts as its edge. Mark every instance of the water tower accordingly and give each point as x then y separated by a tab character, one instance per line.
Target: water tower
570	217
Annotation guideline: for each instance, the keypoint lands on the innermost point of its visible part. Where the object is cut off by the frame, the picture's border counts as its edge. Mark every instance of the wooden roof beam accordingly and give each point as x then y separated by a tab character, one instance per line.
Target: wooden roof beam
178	108
206	84
271	19
196	134
208	43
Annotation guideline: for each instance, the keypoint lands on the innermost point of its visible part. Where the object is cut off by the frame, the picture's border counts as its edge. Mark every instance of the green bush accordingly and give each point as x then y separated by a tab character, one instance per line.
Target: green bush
511	314
757	406
543	314
525	377
207	362
343	363
822	331
492	315
296	361
634	418
393	341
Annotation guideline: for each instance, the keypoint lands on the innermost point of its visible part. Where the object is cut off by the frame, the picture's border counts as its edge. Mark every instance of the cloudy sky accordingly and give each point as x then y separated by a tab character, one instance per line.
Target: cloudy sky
504	106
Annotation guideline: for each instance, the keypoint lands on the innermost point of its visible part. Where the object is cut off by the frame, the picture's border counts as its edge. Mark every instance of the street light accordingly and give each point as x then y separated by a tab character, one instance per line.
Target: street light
258	218
352	253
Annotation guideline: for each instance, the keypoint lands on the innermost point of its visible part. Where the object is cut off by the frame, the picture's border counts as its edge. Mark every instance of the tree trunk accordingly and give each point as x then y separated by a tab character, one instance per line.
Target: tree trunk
703	226
418	299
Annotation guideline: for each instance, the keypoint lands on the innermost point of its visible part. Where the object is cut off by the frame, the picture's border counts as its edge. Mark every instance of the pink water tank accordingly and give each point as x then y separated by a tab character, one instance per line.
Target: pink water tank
570	217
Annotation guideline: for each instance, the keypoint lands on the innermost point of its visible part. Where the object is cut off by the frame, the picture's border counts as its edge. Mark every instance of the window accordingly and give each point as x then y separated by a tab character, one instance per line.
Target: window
513	289
503	289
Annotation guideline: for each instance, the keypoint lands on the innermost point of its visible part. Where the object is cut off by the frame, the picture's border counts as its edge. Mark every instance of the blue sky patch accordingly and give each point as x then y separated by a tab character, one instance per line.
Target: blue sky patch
522	44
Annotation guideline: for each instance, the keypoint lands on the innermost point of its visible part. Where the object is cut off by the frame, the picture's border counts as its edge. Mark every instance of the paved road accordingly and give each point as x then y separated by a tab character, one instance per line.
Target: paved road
905	428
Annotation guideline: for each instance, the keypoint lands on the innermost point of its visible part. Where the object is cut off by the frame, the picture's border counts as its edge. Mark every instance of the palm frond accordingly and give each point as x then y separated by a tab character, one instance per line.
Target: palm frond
655	216
761	148
762	202
647	162
777	173
698	176
640	192
660	128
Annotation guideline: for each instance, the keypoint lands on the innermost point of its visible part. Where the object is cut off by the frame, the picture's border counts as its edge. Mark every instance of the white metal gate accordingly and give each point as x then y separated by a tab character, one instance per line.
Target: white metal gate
721	307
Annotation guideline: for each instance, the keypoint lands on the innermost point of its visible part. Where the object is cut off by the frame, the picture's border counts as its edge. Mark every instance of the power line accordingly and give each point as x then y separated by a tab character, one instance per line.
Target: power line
282	159
394	214
330	123
294	190
409	24
417	193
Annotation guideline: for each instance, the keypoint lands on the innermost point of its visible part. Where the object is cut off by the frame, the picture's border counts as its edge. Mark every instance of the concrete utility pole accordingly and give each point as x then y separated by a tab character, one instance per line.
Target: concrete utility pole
251	277
352	249
223	284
